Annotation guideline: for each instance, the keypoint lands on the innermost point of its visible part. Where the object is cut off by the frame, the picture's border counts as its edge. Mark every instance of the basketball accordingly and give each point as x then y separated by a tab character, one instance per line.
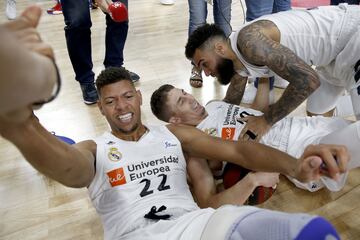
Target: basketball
234	173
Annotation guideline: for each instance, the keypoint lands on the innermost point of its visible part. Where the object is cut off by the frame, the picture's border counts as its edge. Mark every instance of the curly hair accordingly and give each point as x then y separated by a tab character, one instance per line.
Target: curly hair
112	75
158	102
200	36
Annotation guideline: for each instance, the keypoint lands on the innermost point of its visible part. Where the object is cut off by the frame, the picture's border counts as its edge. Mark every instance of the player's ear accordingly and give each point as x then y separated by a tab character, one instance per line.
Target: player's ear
175	120
220	48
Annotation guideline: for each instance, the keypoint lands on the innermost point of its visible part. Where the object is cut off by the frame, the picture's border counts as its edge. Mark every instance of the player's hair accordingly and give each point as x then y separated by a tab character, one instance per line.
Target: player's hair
112	75
201	37
158	102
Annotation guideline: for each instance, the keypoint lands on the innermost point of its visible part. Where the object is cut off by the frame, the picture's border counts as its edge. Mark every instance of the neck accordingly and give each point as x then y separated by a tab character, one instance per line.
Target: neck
133	136
233	57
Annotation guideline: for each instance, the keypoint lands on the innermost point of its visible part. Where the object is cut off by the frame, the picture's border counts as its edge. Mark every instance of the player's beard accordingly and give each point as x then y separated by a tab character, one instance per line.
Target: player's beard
225	69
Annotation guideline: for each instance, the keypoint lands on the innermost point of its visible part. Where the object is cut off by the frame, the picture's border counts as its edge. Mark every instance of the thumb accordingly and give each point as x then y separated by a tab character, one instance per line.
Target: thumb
32	14
313	162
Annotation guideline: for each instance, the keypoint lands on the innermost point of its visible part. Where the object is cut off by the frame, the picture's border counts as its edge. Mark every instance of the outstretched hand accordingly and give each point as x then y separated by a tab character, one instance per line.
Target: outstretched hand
24	28
255	128
322	159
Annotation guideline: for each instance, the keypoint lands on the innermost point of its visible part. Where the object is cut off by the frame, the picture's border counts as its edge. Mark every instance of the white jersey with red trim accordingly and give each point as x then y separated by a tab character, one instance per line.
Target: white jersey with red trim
133	177
317	36
223	121
291	134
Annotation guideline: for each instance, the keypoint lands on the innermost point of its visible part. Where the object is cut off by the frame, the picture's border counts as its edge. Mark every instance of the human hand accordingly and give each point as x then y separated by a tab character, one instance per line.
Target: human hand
322	159
266	179
103	5
24	28
255	128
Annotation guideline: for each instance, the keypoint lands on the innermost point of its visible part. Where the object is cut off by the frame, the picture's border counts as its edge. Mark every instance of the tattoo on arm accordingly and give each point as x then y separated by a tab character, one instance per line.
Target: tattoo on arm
236	89
256	44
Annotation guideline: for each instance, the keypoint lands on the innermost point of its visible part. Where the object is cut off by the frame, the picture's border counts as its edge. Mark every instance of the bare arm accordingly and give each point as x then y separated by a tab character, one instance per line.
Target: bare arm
236	89
204	186
72	166
259	43
21	45
198	144
261	102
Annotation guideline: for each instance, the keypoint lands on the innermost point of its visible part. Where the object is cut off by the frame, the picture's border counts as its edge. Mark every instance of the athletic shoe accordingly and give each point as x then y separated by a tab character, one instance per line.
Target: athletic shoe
89	93
55	10
134	77
167	2
10	9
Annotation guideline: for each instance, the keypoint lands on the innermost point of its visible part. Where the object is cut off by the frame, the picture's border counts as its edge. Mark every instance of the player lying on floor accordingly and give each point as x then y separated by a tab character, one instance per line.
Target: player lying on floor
291	135
136	174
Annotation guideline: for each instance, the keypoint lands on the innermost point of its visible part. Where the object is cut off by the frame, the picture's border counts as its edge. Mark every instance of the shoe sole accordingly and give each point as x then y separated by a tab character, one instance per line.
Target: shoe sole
89	103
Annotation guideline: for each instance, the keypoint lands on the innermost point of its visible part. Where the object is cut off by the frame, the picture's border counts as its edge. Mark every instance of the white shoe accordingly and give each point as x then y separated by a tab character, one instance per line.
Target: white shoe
167	2
280	83
10	9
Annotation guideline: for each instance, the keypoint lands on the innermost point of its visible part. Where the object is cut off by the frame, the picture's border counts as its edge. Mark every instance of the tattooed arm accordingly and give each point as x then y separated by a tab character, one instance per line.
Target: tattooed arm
259	44
236	89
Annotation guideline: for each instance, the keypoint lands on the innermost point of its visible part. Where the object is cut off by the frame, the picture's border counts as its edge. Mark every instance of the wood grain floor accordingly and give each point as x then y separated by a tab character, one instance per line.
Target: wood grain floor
35	207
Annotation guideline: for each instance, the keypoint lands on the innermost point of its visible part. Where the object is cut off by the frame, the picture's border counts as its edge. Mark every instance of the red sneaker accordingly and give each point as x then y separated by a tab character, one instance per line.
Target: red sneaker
55	10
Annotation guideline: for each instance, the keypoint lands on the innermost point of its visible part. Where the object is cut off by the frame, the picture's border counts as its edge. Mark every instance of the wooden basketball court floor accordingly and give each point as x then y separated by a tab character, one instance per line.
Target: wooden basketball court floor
35	207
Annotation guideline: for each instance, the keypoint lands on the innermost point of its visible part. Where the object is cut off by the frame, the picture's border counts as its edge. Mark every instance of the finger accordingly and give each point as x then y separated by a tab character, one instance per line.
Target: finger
25	33
242	133
342	158
329	165
312	166
29	18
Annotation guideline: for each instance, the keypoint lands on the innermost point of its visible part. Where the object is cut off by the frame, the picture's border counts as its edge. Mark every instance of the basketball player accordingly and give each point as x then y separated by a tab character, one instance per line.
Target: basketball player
291	135
21	45
136	174
288	44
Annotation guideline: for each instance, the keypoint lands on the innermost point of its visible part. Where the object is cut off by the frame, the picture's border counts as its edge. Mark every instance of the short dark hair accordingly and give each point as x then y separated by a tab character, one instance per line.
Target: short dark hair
112	75
200	36
158	102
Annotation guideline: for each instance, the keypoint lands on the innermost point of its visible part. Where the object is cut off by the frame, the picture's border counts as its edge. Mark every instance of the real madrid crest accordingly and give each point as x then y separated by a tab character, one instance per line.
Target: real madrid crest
114	155
210	131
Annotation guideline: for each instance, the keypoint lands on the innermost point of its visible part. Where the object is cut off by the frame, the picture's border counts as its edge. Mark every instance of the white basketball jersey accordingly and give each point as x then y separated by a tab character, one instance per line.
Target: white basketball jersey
132	177
317	42
223	121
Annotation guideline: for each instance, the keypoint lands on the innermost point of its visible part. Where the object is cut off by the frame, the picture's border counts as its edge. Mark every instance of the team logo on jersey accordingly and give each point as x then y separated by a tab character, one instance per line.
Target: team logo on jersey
210	131
114	155
116	177
227	133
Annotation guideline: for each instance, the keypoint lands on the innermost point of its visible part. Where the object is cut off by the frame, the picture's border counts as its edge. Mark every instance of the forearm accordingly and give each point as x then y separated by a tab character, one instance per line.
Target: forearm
50	156
296	93
236	89
261	102
258	157
237	194
26	77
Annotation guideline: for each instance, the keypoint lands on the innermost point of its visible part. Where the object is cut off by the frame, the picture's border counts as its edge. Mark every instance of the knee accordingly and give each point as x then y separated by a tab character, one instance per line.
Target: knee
78	20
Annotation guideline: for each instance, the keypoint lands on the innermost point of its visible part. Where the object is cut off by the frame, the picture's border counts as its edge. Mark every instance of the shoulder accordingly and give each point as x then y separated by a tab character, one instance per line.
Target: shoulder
87	145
